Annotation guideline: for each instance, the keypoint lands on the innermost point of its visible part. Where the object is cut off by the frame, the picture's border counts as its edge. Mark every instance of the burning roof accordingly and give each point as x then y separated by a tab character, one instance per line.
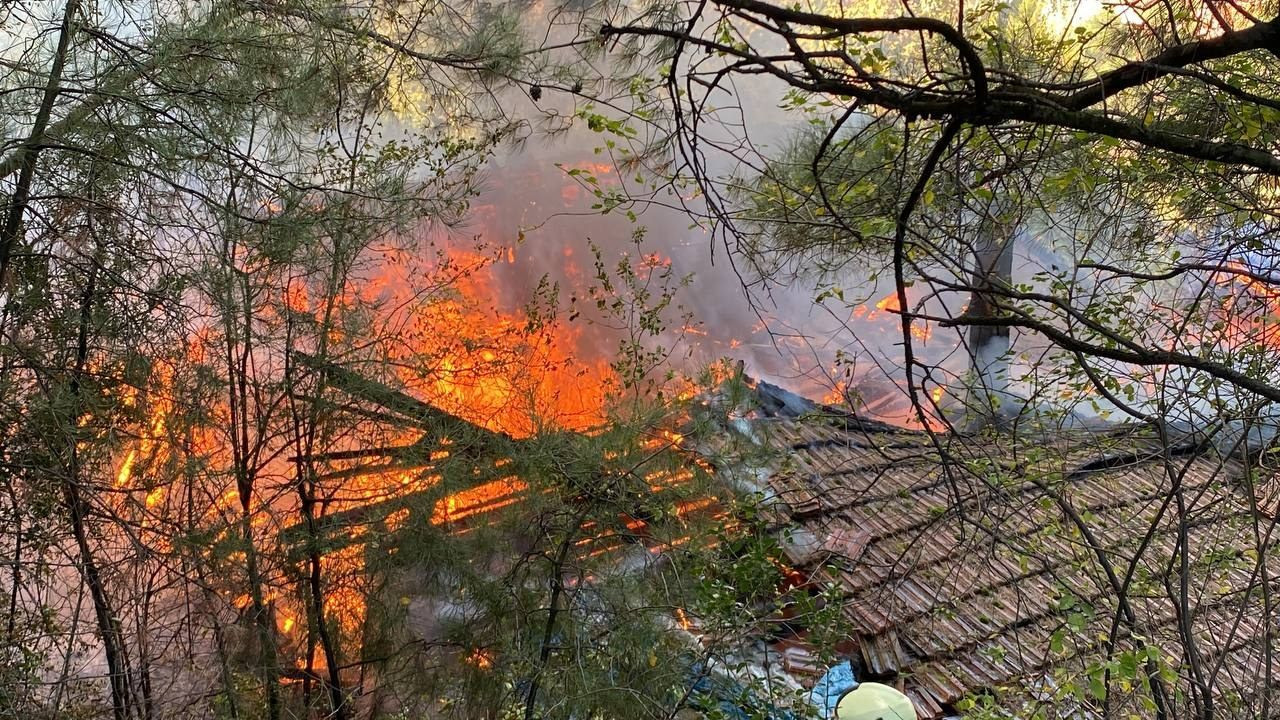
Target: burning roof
998	567
440	435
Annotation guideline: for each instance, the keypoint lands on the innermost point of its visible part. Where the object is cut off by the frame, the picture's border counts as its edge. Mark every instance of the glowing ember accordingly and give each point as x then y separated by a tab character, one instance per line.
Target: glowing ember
482	659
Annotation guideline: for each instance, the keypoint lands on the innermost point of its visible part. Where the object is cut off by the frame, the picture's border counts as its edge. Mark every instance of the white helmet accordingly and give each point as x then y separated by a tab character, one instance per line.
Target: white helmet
873	701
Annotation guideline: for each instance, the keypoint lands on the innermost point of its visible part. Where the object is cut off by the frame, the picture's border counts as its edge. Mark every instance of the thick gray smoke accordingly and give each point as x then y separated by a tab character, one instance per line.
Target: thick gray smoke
534	205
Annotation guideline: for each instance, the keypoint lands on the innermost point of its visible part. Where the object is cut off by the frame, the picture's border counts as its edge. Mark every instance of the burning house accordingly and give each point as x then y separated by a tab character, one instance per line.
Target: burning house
1122	572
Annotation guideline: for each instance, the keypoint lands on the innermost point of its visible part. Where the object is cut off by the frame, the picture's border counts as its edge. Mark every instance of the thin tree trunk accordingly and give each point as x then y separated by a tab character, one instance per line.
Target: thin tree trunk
245	473
29	153
220	646
305	431
337	700
16	585
553	609
198	569
548	630
144	651
60	686
315	598
78	510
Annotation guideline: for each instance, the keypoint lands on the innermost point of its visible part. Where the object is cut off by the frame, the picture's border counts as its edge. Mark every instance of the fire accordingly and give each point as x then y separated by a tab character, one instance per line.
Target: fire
155	497
689	507
455	348
660	480
147	445
889	303
482	659
594	168
1250	308
683	619
494	368
296	297
126	469
482	498
396	519
889	306
837	395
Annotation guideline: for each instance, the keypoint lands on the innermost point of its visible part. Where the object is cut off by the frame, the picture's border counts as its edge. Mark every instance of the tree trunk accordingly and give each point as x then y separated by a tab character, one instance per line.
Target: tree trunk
306	431
29	153
78	510
238	361
989	402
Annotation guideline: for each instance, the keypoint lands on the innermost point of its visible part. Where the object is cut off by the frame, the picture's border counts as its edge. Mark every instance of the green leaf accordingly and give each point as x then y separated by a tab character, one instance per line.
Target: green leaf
1128	666
1097	685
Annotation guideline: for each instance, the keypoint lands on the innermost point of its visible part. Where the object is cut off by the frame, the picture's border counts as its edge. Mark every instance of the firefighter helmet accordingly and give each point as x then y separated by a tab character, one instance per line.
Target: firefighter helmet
873	701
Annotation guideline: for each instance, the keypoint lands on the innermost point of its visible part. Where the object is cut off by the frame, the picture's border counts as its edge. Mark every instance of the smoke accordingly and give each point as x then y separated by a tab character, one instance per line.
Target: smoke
537	200
537	203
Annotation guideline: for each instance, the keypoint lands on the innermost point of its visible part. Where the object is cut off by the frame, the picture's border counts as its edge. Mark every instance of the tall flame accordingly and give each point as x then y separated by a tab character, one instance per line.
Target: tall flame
503	370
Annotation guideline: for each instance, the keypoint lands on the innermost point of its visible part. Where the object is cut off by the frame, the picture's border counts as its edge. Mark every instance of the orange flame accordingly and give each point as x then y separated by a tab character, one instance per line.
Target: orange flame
457	350
482	659
147	445
889	303
497	369
1250	310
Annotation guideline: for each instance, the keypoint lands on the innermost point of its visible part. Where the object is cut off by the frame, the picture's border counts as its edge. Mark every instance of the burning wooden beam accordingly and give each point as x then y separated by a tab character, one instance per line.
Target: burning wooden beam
436	422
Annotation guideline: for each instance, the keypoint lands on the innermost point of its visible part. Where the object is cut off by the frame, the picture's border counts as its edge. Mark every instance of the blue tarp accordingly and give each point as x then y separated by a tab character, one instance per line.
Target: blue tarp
834	684
735	702
738	703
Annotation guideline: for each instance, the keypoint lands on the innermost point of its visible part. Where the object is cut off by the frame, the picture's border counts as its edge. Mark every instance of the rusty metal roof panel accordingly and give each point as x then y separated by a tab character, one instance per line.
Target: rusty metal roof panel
938	681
